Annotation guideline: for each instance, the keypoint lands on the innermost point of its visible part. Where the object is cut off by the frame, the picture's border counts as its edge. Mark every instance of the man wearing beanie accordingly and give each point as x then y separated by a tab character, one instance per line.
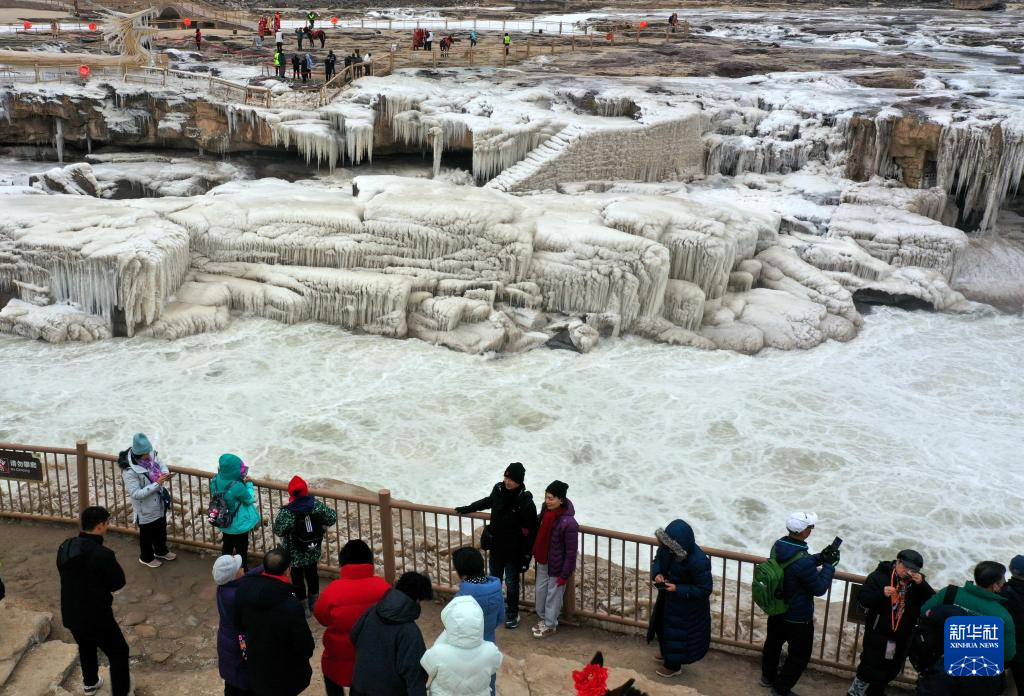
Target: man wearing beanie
892	596
227	573
509	536
801	583
555	550
1013	593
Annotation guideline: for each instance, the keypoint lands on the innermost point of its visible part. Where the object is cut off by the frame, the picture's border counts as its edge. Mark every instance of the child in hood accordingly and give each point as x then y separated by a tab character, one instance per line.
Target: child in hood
461	662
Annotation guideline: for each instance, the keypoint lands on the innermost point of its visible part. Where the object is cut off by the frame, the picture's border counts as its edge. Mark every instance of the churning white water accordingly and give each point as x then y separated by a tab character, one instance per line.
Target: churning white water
908	436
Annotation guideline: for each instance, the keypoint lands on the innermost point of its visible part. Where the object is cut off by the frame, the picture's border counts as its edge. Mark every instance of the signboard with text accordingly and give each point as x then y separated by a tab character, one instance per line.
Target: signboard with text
22	466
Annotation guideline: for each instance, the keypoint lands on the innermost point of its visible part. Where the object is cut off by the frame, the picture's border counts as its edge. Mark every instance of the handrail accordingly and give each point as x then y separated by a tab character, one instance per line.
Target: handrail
611	584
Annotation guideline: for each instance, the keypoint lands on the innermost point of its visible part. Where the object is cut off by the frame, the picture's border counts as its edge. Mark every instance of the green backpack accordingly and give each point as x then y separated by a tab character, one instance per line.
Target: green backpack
767	586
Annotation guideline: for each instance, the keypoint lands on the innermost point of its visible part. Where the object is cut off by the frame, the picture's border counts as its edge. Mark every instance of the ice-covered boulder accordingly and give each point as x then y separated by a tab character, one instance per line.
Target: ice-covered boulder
75	179
56	323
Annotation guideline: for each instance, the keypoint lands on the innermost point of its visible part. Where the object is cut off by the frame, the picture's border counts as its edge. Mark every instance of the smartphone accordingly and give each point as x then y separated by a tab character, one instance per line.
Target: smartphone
836	543
660	585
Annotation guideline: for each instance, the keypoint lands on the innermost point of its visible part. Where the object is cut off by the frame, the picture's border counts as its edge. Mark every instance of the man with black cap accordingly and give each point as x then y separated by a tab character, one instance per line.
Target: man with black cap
509	536
892	596
1013	593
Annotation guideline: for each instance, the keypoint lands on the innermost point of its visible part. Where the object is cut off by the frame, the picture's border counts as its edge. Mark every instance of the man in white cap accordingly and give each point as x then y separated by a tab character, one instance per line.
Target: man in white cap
803	581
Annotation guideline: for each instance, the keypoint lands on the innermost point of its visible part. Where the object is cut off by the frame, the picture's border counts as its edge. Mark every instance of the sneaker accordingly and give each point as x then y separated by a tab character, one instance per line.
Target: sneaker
94	688
512	623
667	673
544	631
764	683
152	564
169	556
659	659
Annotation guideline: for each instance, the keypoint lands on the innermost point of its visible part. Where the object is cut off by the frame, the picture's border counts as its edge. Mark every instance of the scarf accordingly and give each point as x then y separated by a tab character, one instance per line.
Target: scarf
151	465
899	600
542	545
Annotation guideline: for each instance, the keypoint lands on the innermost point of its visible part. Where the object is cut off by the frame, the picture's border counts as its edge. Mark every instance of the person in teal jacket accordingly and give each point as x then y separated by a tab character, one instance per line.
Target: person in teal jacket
233	481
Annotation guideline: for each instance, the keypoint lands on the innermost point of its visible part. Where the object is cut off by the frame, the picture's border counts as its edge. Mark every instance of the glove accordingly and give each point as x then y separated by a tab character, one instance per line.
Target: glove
462	510
561	581
830	555
524	565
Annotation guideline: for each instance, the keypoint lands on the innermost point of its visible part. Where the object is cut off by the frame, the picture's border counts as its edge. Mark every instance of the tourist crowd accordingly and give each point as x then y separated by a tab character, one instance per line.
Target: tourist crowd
373	645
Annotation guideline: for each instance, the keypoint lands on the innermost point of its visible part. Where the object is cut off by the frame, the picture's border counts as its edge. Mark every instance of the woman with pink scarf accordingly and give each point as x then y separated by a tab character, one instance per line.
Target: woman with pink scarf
144	480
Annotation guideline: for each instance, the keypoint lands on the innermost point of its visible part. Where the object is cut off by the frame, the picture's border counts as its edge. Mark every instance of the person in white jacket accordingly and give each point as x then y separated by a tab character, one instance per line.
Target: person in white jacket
461	662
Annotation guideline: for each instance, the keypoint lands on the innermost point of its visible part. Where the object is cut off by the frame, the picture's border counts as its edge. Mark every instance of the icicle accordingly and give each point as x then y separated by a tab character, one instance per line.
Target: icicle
437	138
58	138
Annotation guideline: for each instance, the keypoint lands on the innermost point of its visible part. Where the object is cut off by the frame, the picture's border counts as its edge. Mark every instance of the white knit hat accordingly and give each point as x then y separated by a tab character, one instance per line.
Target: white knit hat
226	568
799	521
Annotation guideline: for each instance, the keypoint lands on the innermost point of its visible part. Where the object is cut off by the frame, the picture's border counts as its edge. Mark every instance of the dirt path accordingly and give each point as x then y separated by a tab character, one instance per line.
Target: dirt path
170	620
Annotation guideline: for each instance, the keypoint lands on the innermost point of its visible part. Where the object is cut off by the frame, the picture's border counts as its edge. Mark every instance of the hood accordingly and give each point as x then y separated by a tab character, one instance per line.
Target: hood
302	506
76	550
264	592
481	589
396	607
229	468
677	538
786	548
463	621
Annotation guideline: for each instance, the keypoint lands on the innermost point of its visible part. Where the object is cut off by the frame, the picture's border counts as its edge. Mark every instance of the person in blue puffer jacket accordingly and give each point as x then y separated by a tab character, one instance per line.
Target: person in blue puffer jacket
803	581
232	480
681	619
485	589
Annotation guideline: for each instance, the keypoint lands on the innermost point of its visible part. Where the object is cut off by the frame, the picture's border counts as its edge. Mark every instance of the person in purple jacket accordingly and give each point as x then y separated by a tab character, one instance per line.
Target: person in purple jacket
227	572
555	552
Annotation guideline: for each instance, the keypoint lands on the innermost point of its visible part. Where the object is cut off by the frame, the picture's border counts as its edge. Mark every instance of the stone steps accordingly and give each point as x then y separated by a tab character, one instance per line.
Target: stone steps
20	629
546	152
42	669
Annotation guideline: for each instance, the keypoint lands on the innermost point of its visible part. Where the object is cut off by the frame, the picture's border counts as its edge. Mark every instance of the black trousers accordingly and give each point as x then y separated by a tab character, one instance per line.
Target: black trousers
874	668
304	579
233	544
1017	670
333	689
153	539
800	637
235	691
105	636
505	567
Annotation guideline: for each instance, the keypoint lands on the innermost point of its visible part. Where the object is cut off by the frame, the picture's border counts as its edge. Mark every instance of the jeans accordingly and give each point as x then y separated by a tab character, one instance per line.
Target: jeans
305	578
549	596
153	539
800	637
107	637
333	689
505	567
236	544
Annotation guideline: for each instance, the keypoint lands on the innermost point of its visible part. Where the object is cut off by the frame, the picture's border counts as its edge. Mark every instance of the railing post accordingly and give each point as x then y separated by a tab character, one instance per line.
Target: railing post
387	535
82	473
570	598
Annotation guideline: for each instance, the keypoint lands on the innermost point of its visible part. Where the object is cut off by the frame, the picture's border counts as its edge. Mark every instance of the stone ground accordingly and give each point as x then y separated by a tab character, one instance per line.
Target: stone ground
170	621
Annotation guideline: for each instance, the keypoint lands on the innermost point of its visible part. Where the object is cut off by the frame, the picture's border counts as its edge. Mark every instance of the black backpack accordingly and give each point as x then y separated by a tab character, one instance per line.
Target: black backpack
307	532
927	642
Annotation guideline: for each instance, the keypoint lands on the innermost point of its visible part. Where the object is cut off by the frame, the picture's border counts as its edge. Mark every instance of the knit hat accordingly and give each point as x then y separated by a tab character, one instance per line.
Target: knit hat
297	488
557	489
140	445
799	521
516	472
1017	566
226	568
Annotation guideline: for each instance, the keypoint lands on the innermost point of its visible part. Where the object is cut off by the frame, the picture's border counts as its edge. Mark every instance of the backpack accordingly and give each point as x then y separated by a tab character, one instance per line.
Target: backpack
767	586
926	642
307	532
218	513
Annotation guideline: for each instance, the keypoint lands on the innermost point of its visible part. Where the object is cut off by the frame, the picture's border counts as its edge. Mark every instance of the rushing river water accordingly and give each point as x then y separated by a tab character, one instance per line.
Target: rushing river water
908	436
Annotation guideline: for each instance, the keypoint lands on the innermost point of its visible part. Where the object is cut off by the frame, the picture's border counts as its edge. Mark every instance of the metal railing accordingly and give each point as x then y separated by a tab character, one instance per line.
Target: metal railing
611	585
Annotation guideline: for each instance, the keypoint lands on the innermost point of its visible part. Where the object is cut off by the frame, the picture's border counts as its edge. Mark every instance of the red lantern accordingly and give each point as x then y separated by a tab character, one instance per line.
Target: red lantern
334	20
643	25
27	25
610	36
83	70
188	22
92	26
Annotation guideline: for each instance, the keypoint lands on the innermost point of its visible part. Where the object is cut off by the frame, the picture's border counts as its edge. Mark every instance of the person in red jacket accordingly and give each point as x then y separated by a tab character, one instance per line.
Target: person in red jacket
340	606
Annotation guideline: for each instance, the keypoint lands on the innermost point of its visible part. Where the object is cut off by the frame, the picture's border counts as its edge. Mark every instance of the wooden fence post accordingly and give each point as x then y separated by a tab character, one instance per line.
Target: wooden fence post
570	598
387	535
82	473
527	46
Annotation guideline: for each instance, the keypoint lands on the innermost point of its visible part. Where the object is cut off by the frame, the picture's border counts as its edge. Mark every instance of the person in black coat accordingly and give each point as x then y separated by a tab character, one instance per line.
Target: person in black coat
1013	593
89	575
511	532
389	644
892	596
279	643
681	619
